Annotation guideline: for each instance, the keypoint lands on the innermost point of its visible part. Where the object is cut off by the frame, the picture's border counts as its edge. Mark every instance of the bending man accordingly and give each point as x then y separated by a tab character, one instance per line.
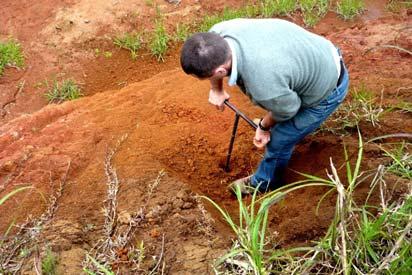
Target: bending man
298	77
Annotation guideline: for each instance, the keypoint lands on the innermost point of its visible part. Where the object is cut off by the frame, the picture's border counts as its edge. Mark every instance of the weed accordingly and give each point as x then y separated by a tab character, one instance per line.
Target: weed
227	14
401	164
249	253
348	9
107	54
129	41
160	40
357	242
313	10
182	32
277	7
49	263
59	92
10	55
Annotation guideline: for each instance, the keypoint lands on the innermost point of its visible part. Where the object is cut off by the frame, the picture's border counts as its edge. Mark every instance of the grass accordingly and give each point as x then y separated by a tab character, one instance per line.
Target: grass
362	107
49	263
357	241
182	32
270	8
209	20
59	92
313	10
10	55
129	41
401	164
160	40
348	9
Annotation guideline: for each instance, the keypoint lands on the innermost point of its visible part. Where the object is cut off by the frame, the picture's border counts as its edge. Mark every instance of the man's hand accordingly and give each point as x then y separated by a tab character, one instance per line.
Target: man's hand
261	138
218	98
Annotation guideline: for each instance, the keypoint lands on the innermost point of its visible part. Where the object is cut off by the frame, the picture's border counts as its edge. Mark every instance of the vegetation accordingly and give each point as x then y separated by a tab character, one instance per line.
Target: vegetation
348	9
357	241
397	5
10	55
160	40
129	41
270	8
49	263
182	32
59	92
313	10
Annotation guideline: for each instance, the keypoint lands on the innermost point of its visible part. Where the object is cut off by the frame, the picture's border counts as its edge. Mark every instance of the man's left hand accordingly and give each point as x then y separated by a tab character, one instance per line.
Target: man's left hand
261	138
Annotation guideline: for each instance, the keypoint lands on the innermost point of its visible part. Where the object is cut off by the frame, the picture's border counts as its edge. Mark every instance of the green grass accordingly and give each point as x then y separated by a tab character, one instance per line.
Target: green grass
160	40
348	9
10	55
401	163
49	263
59	92
269	8
129	41
209	20
362	239
313	10
182	32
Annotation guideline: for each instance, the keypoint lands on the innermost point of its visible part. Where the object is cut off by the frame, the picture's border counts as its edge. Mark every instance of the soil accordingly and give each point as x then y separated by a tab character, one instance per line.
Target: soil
167	125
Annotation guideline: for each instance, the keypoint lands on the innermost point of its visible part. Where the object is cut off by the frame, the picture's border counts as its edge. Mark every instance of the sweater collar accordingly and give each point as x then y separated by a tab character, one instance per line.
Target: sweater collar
234	73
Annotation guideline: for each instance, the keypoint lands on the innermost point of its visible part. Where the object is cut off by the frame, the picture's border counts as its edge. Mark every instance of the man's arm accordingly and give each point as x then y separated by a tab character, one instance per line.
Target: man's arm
217	95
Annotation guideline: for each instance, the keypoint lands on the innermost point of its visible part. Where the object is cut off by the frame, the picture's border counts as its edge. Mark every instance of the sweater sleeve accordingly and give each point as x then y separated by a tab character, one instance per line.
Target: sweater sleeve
283	107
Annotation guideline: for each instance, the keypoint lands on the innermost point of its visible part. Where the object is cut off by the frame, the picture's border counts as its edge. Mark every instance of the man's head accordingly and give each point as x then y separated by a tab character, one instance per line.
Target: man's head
205	55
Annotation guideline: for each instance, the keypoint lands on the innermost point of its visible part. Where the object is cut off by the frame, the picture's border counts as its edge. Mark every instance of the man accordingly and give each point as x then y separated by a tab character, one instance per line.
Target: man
297	76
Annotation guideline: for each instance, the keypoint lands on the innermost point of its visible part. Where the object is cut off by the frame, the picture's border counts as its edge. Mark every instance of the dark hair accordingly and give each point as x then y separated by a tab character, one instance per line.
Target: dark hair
203	52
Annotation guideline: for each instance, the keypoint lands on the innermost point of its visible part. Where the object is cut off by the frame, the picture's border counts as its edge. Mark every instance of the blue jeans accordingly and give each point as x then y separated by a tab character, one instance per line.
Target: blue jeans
285	135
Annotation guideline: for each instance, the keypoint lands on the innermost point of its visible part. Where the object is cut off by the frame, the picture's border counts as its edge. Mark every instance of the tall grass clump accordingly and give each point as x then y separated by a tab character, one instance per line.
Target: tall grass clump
348	9
209	20
160	40
182	32
270	8
313	10
401	160
129	41
362	239
10	55
59	92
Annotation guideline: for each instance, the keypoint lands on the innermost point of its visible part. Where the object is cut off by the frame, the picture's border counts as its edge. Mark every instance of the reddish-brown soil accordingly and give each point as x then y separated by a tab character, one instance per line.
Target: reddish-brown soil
169	126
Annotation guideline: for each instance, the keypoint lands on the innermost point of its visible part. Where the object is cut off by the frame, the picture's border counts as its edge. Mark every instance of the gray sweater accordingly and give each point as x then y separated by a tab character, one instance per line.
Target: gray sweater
279	65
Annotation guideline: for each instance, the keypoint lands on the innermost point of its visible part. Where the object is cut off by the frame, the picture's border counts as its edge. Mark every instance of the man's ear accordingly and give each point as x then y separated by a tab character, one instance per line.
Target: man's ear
220	72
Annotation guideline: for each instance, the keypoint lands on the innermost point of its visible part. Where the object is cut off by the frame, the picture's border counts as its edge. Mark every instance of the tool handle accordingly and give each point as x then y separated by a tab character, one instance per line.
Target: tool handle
242	115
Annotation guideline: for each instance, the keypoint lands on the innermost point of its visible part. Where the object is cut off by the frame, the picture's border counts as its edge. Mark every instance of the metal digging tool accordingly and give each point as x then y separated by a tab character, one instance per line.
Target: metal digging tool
238	114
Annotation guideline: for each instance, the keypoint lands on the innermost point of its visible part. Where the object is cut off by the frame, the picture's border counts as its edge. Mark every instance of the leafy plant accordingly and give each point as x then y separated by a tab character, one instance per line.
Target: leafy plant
129	41
348	9
49	263
160	40
10	55
59	92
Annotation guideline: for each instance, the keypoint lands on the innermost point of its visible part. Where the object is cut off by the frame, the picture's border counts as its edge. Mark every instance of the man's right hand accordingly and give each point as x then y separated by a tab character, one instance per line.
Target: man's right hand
218	98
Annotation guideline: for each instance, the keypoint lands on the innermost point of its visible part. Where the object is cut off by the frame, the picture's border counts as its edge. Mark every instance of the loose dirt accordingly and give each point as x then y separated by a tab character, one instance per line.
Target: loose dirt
167	125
